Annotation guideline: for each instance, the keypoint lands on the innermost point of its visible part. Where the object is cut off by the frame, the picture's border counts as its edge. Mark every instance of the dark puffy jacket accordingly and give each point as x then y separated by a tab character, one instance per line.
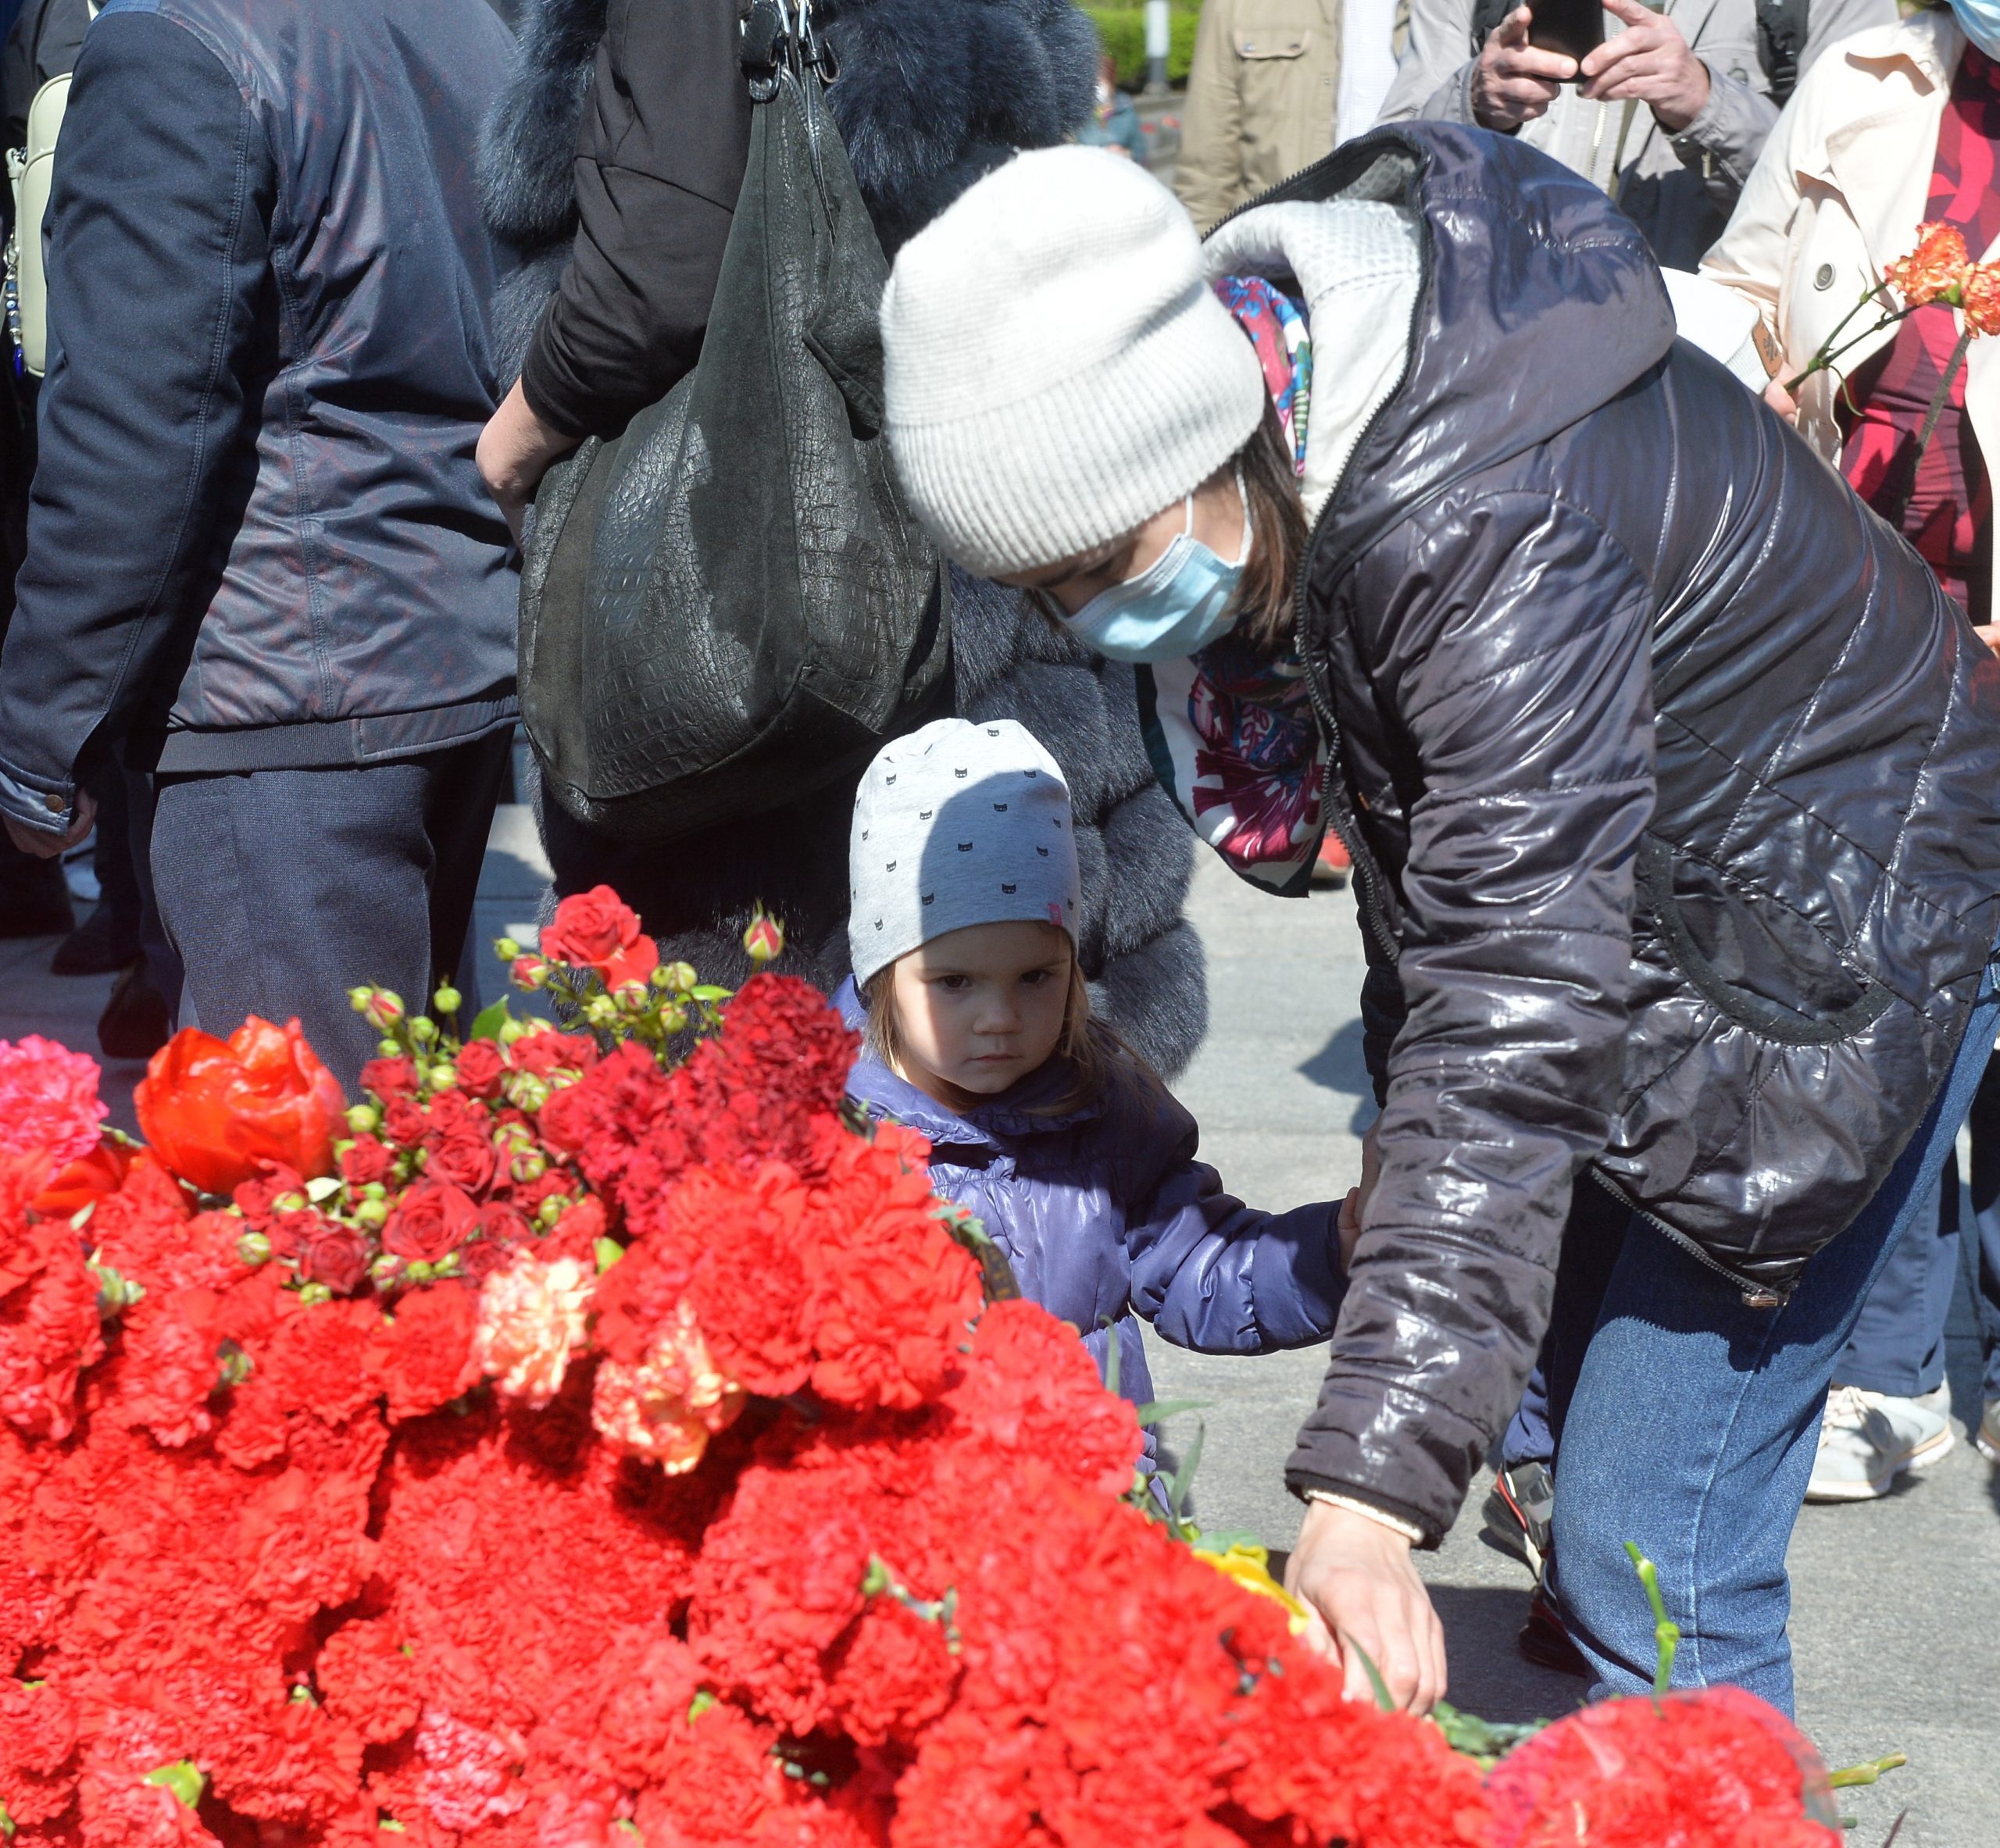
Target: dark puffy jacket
1105	1215
1673	781
258	535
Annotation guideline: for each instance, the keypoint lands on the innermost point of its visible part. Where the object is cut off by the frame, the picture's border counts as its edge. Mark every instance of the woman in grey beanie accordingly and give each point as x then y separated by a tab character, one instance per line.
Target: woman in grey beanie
1667	775
978	1033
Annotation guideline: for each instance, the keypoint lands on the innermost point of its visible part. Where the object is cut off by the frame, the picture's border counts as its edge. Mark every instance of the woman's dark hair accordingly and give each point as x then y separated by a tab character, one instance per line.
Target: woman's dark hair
1277	537
1099	1061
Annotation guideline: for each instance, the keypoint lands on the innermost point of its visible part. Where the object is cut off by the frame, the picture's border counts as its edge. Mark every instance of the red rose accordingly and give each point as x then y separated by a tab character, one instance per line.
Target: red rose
89	1178
544	1054
598	930
405	1124
333	1254
467	1161
215	1111
497	1231
480	1067
431	1220
369	1160
389	1078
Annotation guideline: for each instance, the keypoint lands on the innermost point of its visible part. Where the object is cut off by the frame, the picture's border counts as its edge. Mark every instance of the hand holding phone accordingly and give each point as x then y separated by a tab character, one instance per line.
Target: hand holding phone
1515	79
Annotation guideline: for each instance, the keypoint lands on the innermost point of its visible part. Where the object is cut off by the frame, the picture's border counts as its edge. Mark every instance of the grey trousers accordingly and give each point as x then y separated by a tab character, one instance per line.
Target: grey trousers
280	889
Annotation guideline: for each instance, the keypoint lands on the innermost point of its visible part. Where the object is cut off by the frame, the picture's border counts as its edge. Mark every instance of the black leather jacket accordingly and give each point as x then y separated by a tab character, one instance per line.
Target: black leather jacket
1673	781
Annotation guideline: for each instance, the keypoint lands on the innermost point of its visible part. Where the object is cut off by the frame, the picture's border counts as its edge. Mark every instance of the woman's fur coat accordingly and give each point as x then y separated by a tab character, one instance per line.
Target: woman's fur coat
932	94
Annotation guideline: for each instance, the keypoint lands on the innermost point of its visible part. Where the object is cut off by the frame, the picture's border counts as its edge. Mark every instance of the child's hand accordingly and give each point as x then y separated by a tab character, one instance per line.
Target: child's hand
1348	1228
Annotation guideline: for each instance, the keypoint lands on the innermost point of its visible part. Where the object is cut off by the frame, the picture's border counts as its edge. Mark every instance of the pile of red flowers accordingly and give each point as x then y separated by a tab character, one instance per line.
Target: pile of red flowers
569	1447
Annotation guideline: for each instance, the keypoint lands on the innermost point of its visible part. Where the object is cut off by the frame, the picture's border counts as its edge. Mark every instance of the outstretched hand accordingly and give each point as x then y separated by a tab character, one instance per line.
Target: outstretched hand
1357	1577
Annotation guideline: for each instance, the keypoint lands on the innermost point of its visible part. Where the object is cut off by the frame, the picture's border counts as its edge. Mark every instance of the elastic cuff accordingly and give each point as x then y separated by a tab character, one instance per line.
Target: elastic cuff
1380	1517
541	386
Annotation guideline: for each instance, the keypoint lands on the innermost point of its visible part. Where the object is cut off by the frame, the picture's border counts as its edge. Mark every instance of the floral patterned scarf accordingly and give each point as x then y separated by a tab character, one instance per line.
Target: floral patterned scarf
1231	731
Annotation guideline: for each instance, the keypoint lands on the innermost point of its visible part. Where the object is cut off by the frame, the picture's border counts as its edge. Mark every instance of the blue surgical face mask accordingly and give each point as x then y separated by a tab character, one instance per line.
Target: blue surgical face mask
1174	607
1979	21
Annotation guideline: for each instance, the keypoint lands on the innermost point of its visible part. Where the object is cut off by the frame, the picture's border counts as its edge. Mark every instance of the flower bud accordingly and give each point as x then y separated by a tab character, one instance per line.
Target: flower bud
764	939
372	1213
525	1091
289	1203
373	1190
601	1010
384	1268
253	1248
384	1010
389	1049
420	1272
423	1029
512	1031
448	1000
364	1119
507	949
443	1076
313	1295
527	1168
530	972
551	1210
674	1018
358	998
631	996
681	976
447	1266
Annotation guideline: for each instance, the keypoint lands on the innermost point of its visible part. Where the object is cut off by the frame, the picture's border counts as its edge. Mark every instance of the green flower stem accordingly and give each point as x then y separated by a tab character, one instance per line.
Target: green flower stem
1666	1632
1869	1772
1823	360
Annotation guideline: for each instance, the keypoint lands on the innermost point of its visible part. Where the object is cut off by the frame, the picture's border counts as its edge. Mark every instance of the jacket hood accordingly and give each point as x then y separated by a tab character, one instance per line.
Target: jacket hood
1538	303
1015	1113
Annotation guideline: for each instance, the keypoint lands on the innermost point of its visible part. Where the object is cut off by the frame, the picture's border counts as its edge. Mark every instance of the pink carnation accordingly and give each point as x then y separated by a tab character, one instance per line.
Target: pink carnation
531	1318
667	1407
48	1101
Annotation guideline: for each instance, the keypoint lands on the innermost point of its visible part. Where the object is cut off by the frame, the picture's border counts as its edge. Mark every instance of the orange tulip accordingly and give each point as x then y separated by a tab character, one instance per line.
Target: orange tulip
216	1112
88	1179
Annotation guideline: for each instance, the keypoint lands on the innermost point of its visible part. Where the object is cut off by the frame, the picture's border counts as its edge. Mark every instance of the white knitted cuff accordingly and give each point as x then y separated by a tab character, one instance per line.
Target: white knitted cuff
1414	1535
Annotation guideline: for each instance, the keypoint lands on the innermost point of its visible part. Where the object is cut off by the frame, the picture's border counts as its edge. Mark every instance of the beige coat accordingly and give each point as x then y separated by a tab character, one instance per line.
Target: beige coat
1261	96
1836	197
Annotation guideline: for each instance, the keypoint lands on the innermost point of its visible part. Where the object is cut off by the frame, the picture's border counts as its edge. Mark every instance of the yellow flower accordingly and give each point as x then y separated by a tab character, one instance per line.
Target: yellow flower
1250	1566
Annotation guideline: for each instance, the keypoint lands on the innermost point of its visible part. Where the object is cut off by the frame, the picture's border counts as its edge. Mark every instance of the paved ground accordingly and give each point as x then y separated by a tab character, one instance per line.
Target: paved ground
1897	1622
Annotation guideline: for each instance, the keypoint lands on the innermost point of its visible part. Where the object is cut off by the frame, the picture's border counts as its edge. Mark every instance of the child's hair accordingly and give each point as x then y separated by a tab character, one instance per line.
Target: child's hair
1100	1062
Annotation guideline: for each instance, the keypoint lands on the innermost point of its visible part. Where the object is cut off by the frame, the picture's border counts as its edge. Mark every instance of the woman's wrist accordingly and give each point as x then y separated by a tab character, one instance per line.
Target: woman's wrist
516	449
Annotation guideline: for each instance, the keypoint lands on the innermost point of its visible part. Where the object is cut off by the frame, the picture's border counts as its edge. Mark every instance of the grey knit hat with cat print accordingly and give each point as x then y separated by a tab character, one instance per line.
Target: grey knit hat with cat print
961	822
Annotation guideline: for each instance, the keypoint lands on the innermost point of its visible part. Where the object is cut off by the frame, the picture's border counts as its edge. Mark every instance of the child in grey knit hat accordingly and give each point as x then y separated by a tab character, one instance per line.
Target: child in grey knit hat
978	1034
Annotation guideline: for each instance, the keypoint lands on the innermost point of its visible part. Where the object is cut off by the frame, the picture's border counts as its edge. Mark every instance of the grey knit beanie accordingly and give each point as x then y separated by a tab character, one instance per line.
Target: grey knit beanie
957	823
1058	370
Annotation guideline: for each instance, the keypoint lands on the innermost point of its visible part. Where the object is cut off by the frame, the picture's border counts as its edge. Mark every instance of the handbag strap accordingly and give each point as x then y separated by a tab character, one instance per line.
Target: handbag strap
780	38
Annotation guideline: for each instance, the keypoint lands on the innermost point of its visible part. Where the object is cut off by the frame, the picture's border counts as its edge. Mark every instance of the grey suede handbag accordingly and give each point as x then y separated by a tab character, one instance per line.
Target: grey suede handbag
730	605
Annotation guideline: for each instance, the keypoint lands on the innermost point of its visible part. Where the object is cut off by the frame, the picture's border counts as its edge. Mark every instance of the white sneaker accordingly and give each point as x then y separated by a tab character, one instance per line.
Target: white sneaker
1924	1426
1861	1452
1986	1438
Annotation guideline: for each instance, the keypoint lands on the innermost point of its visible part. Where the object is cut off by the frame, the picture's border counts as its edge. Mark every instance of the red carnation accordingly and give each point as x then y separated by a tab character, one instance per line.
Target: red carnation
1712	1768
173	1364
424	1356
370	1679
598	930
49	1330
431	1220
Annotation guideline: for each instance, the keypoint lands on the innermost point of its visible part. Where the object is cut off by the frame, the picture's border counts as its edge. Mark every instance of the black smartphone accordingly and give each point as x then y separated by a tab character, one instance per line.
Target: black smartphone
1572	27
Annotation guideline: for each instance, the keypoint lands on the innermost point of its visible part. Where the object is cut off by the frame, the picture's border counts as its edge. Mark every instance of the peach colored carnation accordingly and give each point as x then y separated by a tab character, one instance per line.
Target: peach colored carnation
668	1406
48	1101
531	1325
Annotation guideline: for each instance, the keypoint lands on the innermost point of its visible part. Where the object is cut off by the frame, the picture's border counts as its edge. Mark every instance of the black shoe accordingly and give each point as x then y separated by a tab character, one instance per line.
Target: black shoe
1517	1513
135	1024
1543	1641
99	946
34	899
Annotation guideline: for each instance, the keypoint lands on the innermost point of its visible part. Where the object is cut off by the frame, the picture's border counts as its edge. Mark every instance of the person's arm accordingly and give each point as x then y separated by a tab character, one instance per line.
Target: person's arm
1512	638
1208	174
1508	84
666	138
159	280
1212	1274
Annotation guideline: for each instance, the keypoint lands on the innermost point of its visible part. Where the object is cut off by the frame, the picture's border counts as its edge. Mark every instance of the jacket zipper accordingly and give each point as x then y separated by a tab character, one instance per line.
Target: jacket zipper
1756	1295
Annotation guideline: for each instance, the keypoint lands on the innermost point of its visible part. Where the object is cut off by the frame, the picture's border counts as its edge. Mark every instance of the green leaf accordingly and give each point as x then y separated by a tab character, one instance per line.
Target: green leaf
488	1020
607	1252
1156	1411
1113	1359
1178	1490
1486	1739
6	1825
1868	1773
1382	1698
182	1779
1221	1540
708	991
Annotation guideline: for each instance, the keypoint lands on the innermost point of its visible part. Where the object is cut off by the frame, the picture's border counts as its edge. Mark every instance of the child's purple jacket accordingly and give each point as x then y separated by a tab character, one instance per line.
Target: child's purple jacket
1105	1215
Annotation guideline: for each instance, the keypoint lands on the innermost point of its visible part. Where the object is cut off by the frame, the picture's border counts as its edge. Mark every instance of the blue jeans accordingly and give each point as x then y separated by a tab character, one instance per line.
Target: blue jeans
1688	1422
